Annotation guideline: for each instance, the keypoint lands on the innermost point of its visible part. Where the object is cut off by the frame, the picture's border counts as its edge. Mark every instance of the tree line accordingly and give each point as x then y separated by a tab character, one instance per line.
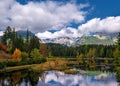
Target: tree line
67	52
23	50
31	48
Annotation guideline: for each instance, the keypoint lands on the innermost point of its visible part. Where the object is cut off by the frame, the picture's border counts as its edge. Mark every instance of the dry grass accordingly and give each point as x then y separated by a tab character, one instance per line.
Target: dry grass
58	64
9	69
4	55
71	71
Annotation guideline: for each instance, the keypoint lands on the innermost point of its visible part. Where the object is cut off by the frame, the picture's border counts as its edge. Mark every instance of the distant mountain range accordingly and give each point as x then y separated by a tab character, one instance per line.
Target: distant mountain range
96	38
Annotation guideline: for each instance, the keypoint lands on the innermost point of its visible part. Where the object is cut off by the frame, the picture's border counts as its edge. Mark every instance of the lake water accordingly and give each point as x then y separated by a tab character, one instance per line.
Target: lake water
56	78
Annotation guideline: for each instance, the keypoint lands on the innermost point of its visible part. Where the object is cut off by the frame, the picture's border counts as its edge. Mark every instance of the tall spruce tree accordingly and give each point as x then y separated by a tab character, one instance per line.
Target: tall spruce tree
34	43
118	42
7	35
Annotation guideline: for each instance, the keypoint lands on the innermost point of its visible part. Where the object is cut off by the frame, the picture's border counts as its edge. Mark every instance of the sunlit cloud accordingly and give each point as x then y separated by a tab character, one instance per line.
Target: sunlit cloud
107	25
40	16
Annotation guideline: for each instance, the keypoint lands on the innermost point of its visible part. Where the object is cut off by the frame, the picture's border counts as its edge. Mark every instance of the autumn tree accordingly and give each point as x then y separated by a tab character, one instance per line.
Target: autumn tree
16	55
12	40
91	58
80	58
91	53
43	50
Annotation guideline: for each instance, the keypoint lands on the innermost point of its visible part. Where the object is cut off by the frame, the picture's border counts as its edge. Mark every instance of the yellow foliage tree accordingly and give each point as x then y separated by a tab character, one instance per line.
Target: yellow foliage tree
80	58
16	55
91	58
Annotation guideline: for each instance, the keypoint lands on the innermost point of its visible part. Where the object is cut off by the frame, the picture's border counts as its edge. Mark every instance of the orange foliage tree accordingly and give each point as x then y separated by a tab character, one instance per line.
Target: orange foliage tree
16	55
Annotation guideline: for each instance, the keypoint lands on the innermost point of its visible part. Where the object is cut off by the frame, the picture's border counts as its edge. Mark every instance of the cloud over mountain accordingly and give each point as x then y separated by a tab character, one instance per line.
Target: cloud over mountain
66	32
107	25
40	16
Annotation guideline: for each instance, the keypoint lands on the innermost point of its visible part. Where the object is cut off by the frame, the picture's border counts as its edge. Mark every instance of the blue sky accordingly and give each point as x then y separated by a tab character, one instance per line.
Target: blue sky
56	18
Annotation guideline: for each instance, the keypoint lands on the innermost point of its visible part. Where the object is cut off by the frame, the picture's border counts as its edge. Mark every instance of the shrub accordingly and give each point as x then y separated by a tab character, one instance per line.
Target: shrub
24	55
35	54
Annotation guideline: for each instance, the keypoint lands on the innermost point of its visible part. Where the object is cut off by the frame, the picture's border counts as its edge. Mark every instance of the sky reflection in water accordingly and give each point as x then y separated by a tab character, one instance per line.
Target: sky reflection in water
55	78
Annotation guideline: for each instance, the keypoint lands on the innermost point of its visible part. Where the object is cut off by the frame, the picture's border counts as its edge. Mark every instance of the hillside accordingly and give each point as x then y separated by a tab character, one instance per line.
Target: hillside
95	40
81	40
23	33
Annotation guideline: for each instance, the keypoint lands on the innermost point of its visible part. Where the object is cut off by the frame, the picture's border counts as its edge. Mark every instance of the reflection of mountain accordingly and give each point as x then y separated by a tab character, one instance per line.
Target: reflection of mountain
55	78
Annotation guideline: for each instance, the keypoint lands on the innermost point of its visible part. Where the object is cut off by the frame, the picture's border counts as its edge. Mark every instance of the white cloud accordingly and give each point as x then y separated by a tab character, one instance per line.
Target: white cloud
1	33
40	16
66	32
108	25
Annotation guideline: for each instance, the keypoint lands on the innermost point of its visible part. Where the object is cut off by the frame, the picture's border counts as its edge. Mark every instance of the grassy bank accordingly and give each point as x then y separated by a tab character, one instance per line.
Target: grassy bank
15	68
57	64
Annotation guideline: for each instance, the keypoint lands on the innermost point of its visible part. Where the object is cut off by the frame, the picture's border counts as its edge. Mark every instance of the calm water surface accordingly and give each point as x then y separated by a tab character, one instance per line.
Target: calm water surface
56	78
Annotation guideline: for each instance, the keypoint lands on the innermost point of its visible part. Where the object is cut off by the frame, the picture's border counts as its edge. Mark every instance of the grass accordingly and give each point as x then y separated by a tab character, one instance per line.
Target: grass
70	71
58	64
10	69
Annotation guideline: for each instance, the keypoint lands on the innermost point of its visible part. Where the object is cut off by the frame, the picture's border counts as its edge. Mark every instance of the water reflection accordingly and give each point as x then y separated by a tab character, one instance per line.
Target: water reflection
55	78
19	78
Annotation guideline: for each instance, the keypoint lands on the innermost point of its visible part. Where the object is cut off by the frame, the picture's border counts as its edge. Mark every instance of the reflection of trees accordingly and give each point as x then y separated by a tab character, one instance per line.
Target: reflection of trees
57	74
2	81
30	78
16	77
6	81
33	78
43	77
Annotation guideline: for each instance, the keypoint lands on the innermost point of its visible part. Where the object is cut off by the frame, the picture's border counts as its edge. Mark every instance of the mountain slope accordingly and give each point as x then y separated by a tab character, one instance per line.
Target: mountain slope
95	40
81	40
23	33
